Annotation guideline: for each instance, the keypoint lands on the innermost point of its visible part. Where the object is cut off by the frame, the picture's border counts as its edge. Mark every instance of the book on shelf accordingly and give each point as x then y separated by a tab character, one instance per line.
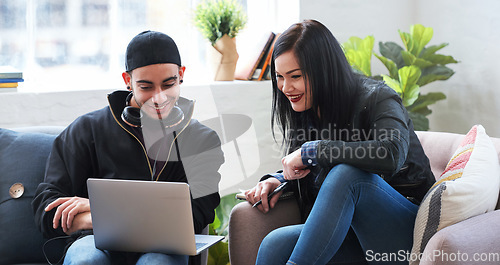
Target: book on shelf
5	85
9	72
260	70
266	67
11	80
251	59
8	89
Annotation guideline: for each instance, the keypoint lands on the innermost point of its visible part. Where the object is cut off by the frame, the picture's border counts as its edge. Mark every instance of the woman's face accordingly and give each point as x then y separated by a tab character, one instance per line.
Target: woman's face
291	82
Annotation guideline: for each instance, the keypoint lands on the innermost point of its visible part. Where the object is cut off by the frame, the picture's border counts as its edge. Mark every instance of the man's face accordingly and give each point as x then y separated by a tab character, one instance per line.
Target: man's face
155	87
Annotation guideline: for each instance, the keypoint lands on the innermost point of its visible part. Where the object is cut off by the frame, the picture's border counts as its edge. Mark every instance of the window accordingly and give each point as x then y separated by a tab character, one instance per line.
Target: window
80	44
95	13
51	13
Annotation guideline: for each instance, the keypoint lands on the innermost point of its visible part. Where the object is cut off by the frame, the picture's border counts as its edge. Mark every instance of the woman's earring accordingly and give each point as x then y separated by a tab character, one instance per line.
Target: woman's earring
180	81
128	87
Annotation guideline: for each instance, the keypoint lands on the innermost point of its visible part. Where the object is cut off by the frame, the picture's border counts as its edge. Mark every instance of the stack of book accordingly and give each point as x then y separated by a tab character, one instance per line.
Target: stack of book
254	64
10	78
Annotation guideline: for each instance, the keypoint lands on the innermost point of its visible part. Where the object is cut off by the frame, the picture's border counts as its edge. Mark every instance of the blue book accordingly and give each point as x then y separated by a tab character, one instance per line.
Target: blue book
11	80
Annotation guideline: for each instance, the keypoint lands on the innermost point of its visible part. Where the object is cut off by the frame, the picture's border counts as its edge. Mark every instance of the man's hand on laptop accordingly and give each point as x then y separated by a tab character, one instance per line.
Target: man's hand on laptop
73	213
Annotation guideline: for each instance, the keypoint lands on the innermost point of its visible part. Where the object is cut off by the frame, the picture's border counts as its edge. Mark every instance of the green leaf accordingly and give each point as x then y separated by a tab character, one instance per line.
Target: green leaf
433	73
389	64
423	101
359	52
421	63
424	110
358	62
223	211
432	49
410	95
420	109
408	58
216	223
353	43
407	41
408	77
411	59
392	51
420	122
421	36
368	43
392	83
440	59
218	254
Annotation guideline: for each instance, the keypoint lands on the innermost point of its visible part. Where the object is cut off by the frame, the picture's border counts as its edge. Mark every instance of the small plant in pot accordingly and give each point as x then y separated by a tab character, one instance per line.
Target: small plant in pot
219	21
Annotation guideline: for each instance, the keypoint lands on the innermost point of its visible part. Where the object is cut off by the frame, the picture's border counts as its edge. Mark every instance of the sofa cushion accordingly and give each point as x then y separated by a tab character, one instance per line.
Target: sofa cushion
469	186
22	160
476	237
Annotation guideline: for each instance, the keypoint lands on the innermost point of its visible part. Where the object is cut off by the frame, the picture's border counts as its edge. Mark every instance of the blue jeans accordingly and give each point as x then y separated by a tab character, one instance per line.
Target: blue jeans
83	251
357	217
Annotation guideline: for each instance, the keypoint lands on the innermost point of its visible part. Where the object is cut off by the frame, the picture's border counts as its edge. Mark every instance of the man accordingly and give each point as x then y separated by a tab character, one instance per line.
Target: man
146	133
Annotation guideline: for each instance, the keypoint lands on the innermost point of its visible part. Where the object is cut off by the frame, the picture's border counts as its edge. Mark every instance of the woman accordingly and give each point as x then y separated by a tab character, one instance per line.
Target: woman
354	160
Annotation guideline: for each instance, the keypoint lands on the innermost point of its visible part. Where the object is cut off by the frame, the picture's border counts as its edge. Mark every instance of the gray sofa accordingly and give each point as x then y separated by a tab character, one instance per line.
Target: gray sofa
248	226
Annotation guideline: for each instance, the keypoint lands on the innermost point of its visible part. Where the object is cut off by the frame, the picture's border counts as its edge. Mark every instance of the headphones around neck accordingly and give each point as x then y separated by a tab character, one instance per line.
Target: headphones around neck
132	116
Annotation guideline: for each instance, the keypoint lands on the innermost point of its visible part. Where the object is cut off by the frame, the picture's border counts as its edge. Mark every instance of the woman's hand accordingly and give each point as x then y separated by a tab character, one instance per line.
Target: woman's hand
293	167
260	191
67	209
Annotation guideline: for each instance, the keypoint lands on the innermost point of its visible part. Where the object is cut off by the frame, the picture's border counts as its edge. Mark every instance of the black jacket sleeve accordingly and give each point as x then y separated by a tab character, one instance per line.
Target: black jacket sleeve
203	211
382	149
66	172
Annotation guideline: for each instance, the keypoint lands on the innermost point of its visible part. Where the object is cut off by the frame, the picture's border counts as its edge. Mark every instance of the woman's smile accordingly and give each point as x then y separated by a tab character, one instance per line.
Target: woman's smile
295	98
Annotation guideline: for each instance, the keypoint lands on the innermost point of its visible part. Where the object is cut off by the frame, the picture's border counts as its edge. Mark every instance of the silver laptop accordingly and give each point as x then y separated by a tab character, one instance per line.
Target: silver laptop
144	216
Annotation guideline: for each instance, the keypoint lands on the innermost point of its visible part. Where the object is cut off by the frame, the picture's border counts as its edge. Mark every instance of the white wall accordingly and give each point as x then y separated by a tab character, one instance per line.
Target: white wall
470	27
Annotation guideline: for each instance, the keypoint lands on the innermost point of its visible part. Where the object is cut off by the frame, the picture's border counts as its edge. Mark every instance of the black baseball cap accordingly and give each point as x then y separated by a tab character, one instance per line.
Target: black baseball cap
151	47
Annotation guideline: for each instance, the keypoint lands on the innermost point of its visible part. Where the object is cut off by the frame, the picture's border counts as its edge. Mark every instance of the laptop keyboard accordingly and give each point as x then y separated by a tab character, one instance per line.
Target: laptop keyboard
199	245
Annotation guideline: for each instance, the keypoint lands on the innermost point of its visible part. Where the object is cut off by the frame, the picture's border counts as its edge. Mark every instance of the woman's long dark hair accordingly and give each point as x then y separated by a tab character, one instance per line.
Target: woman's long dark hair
329	76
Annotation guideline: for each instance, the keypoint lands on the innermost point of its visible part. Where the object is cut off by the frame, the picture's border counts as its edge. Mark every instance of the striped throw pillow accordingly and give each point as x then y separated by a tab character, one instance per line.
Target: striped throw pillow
468	187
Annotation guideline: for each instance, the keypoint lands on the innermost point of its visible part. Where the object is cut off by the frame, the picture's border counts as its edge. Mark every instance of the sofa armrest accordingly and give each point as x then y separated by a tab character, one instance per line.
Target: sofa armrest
471	239
248	226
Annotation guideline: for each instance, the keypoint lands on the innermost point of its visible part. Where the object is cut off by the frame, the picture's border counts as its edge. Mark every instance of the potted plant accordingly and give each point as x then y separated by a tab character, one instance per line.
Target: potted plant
220	21
409	69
